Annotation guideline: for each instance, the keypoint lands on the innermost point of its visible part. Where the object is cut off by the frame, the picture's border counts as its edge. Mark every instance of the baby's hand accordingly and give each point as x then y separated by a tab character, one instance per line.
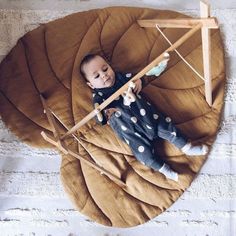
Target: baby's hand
138	86
109	112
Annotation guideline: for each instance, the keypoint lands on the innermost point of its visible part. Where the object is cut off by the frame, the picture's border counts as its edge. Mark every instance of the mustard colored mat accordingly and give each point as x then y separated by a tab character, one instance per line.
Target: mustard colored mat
46	60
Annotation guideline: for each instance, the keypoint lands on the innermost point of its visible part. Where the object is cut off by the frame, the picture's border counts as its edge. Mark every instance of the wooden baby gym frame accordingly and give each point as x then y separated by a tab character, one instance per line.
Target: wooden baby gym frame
205	23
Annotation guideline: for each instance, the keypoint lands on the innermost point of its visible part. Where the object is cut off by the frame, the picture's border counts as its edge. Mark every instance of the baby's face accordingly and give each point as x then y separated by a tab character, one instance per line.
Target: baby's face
99	73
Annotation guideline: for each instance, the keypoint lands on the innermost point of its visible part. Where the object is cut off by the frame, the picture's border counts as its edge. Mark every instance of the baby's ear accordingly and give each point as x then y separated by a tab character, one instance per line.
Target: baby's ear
90	85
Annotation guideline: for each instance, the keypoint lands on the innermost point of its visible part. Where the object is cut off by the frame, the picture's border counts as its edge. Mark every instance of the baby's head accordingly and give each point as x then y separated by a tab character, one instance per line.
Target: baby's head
97	71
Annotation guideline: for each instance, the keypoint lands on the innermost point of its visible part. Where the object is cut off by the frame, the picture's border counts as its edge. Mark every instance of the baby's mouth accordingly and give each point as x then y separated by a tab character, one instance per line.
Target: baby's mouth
107	80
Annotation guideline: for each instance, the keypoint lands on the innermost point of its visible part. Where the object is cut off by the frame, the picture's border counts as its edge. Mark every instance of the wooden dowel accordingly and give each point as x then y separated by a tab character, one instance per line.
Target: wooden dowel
60	145
210	23
50	118
66	150
139	75
49	139
88	162
185	61
206	50
184	38
54	126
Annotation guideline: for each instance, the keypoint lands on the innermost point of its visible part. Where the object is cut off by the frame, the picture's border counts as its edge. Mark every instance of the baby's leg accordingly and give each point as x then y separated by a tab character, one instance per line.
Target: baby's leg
167	130
140	145
168	172
144	152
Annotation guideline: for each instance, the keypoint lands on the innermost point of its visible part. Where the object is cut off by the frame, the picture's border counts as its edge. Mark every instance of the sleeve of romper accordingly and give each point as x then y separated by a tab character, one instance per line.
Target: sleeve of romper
128	76
100	117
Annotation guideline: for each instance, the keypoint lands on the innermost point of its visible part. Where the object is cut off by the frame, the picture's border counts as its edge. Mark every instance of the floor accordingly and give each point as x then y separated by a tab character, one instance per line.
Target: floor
32	200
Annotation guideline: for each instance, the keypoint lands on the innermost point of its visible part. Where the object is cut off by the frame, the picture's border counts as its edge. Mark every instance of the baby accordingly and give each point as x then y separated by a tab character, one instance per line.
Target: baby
138	123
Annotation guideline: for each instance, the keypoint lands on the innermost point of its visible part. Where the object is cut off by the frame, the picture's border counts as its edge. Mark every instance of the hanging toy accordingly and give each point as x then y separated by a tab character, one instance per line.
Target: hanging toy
157	70
129	96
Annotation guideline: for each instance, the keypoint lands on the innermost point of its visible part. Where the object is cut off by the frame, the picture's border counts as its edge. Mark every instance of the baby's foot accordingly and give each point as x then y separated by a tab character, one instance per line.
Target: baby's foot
168	172
191	150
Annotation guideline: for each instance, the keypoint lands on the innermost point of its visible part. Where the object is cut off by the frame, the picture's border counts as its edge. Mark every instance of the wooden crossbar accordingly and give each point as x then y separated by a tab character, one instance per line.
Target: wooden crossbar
137	76
210	23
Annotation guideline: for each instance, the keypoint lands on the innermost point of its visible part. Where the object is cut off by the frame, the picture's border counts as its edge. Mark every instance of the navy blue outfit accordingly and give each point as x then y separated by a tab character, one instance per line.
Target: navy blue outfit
138	124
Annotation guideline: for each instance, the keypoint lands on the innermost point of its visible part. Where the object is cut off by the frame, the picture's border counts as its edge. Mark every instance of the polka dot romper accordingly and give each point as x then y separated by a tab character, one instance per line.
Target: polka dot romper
138	124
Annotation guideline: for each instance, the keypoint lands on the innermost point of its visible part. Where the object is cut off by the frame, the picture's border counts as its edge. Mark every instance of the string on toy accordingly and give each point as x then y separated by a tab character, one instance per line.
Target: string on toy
165	37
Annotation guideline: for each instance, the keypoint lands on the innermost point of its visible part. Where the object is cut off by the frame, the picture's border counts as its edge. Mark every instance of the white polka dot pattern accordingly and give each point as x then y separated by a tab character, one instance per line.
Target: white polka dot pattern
117	114
134	119
141	148
155	116
123	127
128	75
142	112
127	141
168	119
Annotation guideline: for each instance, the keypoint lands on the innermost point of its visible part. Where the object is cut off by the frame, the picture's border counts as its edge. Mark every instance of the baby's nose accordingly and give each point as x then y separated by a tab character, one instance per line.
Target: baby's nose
104	75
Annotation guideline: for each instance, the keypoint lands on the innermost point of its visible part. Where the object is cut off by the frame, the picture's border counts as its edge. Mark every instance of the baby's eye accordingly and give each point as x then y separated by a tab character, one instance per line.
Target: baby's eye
105	69
97	76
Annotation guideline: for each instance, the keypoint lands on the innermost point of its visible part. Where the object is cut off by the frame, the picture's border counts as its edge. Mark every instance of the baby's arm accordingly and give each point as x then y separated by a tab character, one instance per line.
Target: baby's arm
138	83
100	117
138	86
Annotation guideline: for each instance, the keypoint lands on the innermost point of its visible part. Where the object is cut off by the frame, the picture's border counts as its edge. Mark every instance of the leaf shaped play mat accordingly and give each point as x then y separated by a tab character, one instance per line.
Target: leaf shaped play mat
46	61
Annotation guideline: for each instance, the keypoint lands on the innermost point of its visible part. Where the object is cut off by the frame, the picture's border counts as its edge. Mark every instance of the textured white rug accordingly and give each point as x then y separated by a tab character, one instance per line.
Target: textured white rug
32	201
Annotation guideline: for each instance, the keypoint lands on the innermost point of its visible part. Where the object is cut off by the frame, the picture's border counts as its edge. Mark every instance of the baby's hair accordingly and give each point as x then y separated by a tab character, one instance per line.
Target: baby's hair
85	60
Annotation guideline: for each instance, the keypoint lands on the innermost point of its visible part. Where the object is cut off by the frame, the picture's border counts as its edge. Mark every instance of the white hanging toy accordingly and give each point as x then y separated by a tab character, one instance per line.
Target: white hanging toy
128	95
